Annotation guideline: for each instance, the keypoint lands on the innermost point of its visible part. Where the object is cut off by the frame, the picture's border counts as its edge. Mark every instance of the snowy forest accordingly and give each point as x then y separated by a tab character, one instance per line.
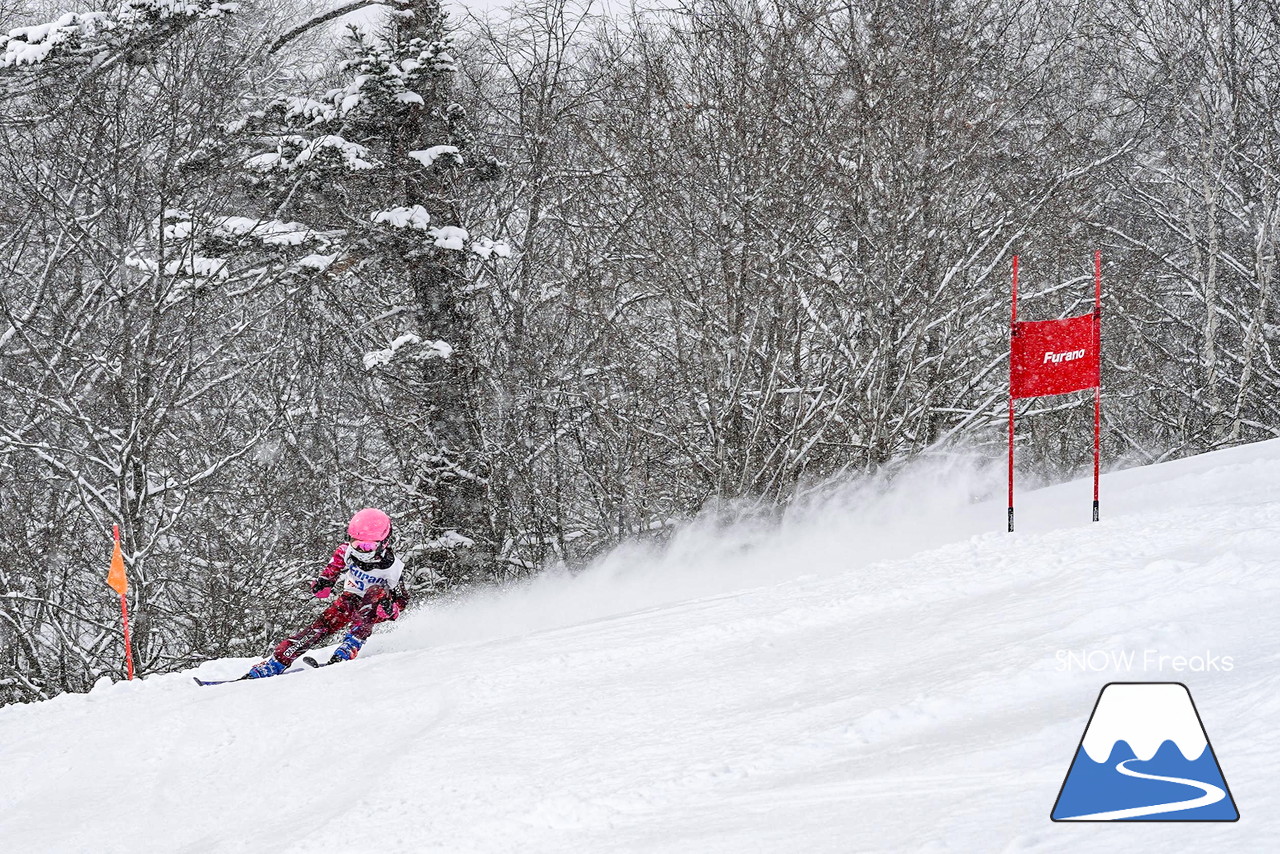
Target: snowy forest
545	280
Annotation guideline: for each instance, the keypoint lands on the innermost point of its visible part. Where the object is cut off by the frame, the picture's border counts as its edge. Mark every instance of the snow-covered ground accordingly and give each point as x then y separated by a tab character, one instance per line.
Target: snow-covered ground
882	672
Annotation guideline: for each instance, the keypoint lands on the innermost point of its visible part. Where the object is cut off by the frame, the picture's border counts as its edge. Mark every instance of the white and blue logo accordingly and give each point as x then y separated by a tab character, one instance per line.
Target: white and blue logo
1145	756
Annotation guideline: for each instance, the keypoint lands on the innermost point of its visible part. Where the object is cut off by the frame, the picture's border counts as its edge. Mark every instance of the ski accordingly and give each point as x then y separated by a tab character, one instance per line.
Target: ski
204	682
200	681
306	659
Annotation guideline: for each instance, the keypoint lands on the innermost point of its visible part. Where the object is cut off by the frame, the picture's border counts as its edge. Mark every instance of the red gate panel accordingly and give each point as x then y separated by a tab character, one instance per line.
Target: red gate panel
1054	356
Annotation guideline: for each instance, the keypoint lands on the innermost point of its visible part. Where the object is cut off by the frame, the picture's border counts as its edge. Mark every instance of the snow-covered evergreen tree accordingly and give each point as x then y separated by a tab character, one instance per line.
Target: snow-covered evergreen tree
373	168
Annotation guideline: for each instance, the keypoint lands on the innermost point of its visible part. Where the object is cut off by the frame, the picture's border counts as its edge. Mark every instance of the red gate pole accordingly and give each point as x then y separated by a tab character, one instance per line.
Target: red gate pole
1013	330
1097	389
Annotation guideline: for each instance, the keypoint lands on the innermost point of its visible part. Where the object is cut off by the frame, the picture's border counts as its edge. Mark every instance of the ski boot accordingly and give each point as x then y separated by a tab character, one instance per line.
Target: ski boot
270	667
347	650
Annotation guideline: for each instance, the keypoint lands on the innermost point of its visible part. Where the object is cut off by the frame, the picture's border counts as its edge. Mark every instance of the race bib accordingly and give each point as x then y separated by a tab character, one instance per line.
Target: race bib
360	577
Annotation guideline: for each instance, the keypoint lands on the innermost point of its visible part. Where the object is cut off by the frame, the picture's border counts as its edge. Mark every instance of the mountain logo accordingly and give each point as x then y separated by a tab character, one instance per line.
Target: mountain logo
1144	756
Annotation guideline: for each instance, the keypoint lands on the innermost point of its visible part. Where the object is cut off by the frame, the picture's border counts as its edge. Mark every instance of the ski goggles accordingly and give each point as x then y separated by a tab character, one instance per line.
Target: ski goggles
363	549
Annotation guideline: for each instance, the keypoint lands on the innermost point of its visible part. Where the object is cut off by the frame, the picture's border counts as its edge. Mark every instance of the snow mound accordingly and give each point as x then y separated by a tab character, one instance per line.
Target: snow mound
879	670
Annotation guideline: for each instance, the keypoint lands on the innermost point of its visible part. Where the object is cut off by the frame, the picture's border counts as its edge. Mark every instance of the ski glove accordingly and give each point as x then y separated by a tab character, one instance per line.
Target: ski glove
388	609
322	587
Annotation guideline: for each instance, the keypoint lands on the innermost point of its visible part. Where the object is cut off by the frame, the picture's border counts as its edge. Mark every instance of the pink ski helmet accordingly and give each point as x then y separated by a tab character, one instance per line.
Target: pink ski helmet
369	525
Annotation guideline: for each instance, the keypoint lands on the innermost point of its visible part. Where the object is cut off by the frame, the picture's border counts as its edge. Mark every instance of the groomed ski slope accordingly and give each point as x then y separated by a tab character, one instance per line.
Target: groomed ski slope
877	673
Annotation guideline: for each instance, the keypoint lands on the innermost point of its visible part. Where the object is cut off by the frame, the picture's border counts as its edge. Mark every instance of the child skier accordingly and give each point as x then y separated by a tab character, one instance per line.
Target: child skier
371	594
